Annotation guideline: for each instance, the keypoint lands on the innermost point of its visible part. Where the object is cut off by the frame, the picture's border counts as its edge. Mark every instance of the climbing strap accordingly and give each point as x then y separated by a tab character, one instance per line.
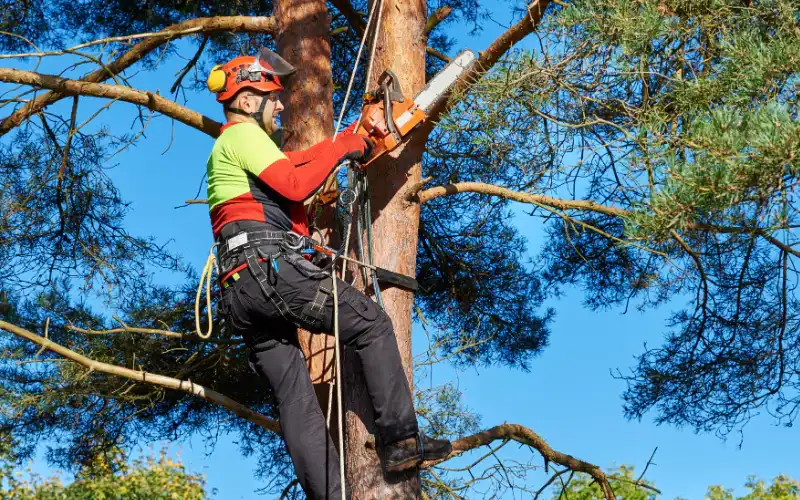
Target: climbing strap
251	254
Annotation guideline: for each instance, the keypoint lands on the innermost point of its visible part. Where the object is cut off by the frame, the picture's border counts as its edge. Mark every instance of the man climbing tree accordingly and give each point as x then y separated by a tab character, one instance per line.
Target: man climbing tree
256	196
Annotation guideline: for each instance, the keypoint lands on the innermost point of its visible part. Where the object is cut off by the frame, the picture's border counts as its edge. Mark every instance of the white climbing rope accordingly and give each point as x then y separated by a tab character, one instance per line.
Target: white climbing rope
339	412
353	76
337	349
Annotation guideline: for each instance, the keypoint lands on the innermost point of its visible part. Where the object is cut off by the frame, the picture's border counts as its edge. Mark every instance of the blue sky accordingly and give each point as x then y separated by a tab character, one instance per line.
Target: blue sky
569	397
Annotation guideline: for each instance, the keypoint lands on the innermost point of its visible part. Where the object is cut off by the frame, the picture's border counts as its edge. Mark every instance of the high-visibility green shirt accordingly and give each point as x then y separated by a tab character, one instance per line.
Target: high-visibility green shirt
249	178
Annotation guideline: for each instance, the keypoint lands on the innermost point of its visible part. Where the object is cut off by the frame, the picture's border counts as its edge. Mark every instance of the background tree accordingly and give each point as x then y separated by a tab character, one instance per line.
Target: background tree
655	139
626	485
152	478
781	488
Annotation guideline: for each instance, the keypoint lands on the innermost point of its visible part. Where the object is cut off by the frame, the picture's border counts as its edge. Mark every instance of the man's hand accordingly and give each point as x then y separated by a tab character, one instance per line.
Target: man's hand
354	146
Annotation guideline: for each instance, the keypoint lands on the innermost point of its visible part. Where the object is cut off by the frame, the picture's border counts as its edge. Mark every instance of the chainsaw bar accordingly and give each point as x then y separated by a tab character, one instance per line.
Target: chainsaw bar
444	79
439	85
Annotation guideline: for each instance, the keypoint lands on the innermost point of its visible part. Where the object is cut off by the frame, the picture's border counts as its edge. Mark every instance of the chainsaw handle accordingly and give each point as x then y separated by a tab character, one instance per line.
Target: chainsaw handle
389	82
387	111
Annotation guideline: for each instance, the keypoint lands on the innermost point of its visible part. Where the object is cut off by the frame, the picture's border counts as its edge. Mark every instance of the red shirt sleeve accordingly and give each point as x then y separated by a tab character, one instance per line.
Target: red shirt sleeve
299	176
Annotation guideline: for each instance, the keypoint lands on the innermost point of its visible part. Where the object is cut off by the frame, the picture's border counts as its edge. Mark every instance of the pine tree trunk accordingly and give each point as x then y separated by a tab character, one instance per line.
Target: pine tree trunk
401	48
303	41
308	119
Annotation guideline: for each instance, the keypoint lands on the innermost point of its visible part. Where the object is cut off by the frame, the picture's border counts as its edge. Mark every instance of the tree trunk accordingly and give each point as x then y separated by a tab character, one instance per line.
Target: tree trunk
401	47
308	118
303	29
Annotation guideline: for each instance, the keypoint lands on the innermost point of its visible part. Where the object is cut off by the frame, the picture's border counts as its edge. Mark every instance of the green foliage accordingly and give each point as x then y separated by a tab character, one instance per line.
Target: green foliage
627	486
782	488
676	114
622	480
678	120
152	478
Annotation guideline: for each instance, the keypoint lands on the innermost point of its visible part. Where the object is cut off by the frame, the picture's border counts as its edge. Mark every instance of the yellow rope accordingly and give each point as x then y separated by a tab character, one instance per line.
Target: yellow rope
208	270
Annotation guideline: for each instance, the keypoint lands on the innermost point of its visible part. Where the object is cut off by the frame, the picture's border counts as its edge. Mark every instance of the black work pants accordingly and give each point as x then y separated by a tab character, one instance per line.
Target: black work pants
275	355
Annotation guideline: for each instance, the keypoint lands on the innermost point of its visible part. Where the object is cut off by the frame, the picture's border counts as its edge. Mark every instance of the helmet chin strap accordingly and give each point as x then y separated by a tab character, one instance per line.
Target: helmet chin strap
257	115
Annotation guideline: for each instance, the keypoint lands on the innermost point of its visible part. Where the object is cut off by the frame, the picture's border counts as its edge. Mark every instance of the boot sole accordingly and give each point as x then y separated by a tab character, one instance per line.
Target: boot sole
404	465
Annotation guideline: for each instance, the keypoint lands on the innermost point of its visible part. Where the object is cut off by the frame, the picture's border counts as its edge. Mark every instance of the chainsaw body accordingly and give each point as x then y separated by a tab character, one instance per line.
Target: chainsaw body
388	116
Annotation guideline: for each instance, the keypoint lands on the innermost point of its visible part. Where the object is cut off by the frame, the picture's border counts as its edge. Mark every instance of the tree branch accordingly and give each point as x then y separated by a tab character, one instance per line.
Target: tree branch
153	331
353	17
140	50
189	65
487	59
435	53
526	436
417	194
65	87
437	17
186	386
483	188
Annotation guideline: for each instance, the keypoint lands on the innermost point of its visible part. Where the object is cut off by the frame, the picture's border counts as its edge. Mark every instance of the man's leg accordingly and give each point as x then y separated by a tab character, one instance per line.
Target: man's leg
366	327
302	422
276	356
362	325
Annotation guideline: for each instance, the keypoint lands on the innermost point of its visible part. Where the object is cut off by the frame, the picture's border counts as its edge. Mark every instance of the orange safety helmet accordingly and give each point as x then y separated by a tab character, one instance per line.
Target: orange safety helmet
260	73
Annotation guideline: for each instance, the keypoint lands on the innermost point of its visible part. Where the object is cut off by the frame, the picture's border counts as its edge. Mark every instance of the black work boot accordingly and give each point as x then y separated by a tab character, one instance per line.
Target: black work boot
412	451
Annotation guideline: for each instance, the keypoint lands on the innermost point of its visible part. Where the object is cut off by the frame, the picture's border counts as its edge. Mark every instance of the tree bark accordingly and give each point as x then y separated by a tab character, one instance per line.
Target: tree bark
401	47
308	119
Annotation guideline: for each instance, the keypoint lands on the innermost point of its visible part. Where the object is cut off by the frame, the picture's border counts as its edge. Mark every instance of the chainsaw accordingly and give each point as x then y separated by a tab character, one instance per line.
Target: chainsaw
388	117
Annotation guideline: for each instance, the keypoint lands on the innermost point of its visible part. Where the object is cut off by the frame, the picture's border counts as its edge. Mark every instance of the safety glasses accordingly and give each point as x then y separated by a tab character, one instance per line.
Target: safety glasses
272	97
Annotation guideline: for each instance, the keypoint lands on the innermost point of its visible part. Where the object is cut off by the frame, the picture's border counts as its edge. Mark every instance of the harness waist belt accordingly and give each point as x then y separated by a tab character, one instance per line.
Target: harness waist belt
231	250
227	247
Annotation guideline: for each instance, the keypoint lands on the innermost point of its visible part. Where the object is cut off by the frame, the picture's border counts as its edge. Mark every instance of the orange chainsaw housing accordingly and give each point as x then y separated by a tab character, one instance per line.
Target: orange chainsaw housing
388	130
373	125
405	116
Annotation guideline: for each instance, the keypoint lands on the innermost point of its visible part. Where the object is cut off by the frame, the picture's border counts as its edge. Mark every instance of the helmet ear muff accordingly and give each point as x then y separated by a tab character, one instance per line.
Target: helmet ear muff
216	79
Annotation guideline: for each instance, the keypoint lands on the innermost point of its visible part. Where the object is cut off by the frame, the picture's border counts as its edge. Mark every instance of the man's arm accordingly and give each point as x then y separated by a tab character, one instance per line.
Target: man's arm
294	175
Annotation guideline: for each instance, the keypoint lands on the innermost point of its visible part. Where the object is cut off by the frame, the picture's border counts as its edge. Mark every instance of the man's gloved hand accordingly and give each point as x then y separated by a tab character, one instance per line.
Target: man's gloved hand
354	146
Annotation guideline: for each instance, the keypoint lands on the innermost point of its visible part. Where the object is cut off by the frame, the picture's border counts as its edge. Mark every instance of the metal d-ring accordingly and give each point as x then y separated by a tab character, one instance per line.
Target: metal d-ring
293	241
347	197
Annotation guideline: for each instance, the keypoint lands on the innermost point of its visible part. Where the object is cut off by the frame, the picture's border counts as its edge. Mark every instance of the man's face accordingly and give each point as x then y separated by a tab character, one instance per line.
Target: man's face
272	108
